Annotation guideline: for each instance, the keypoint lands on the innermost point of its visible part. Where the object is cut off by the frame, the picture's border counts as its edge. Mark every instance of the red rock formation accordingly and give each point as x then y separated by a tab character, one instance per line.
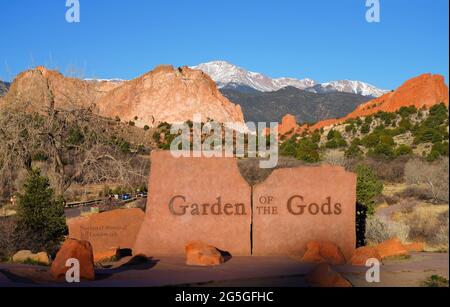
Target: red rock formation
391	248
323	252
162	95
74	249
169	95
362	254
423	91
39	89
288	125
201	254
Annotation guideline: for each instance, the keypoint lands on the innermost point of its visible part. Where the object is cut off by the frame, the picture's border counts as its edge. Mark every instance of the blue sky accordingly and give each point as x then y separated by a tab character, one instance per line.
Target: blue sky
320	39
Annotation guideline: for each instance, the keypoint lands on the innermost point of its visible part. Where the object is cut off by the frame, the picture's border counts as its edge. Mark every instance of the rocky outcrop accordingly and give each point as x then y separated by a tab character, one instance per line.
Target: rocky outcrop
323	252
169	95
362	254
202	254
391	248
165	94
423	91
39	89
74	249
26	255
288	125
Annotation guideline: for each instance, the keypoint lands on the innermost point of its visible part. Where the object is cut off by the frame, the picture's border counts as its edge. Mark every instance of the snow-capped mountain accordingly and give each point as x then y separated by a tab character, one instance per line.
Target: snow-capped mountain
347	86
227	75
224	73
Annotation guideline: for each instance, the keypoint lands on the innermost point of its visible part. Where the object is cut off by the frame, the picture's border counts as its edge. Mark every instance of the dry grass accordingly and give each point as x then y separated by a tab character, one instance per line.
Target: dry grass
427	223
391	189
380	229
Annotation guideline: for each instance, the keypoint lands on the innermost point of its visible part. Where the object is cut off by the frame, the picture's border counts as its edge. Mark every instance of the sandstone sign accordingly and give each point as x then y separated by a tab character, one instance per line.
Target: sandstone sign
294	206
195	199
107	231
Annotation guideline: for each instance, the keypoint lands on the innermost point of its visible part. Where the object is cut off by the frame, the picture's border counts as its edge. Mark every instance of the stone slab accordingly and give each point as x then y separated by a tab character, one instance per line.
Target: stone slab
109	230
296	205
195	199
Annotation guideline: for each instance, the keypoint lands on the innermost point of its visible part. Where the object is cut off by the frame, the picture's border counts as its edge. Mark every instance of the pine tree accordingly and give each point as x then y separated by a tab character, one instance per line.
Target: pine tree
41	221
368	187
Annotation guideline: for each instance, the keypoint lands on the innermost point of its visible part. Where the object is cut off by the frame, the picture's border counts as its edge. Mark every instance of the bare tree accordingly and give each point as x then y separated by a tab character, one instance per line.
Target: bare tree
434	175
79	145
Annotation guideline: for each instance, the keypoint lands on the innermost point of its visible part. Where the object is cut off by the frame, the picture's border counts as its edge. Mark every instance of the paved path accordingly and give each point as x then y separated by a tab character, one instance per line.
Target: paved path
239	271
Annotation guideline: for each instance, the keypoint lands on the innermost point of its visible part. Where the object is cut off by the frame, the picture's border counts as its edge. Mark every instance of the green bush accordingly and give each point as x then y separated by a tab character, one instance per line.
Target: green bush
349	128
368	120
288	148
365	128
386	117
368	187
441	148
125	146
406	112
335	140
353	151
308	151
76	136
382	151
435	281
425	134
41	222
405	124
336	143
403	150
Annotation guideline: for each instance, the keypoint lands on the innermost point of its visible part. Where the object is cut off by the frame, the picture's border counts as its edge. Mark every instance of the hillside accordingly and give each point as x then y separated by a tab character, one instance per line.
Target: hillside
423	91
383	136
305	106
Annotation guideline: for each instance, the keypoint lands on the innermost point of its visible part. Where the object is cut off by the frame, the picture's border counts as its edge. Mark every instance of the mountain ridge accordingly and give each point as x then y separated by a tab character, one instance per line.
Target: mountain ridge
307	107
227	75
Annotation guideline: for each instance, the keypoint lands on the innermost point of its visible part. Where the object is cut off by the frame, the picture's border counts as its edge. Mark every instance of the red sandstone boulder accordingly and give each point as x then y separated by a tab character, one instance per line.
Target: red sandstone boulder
323	252
312	254
415	247
391	248
362	254
80	250
324	276
202	254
